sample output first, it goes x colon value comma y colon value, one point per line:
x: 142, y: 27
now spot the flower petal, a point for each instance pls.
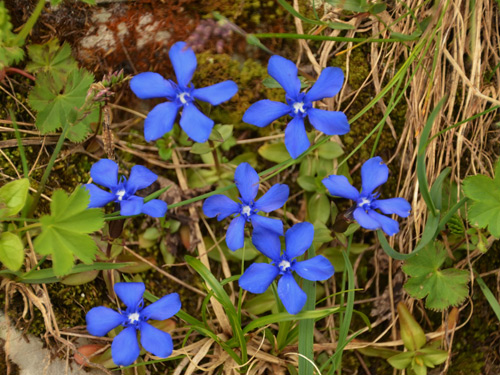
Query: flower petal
x: 296, y: 140
x: 221, y: 206
x: 164, y: 308
x: 160, y: 121
x: 125, y: 348
x: 389, y: 226
x: 373, y: 174
x: 291, y: 295
x: 267, y: 242
x: 184, y: 62
x: 364, y: 220
x: 258, y: 277
x: 131, y: 206
x: 218, y: 93
x: 263, y: 112
x: 140, y: 178
x: 247, y: 182
x: 329, y: 83
x: 98, y: 197
x: 196, y: 125
x: 298, y: 239
x: 314, y: 269
x: 101, y: 320
x: 339, y: 186
x: 150, y: 85
x: 105, y: 173
x: 328, y: 122
x: 285, y: 72
x: 398, y: 206
x: 236, y: 233
x: 155, y: 208
x: 268, y: 224
x: 130, y: 293
x: 156, y: 341
x: 273, y: 199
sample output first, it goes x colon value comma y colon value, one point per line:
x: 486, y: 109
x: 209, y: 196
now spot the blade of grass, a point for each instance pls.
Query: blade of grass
x: 488, y: 294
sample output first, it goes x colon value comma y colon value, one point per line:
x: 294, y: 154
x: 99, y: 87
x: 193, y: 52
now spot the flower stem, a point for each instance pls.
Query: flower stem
x: 30, y: 23
x: 50, y: 165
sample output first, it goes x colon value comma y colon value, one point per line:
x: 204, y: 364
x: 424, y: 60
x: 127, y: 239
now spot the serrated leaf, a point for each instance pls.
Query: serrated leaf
x: 51, y: 58
x: 485, y: 209
x: 10, y: 48
x: 57, y: 102
x: 443, y: 288
x: 11, y: 251
x: 275, y: 152
x: 65, y: 233
x: 13, y: 197
x: 78, y: 132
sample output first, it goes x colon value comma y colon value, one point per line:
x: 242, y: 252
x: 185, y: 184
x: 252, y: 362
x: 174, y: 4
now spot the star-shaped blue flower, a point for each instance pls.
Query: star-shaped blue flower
x: 105, y: 173
x: 125, y: 347
x: 182, y: 94
x: 259, y: 276
x: 247, y: 181
x: 373, y: 174
x: 299, y: 105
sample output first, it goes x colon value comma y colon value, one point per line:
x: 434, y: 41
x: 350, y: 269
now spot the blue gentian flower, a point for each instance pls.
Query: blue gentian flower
x: 299, y: 105
x: 125, y: 348
x: 105, y: 173
x: 373, y: 174
x: 247, y: 181
x: 161, y: 119
x: 259, y: 276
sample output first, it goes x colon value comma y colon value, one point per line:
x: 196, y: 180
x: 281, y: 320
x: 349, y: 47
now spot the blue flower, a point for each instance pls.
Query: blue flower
x: 373, y: 174
x: 105, y: 173
x: 259, y: 276
x: 247, y: 181
x: 125, y: 348
x: 180, y: 95
x: 299, y: 105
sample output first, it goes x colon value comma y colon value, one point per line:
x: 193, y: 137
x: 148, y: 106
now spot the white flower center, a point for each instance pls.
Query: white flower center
x: 298, y: 107
x: 182, y: 97
x: 246, y: 210
x: 284, y: 265
x: 120, y: 194
x: 134, y: 317
x: 363, y: 202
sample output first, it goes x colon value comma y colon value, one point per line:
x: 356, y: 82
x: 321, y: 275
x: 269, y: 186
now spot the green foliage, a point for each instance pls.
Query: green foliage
x: 11, y: 251
x: 13, y: 197
x: 443, y: 288
x: 52, y: 59
x: 10, y: 47
x: 359, y: 6
x: 59, y: 102
x: 485, y: 193
x: 65, y: 232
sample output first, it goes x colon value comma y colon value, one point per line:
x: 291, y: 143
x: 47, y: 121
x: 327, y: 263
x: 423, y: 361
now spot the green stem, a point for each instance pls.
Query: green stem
x: 323, y: 37
x: 30, y: 23
x: 306, y: 326
x: 50, y: 165
x: 28, y: 227
x: 19, y: 144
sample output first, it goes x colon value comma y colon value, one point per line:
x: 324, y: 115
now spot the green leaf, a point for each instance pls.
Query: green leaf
x: 11, y: 251
x: 318, y: 208
x: 10, y: 48
x: 485, y: 193
x: 275, y: 152
x: 200, y: 148
x: 330, y: 151
x: 51, y: 58
x: 308, y: 183
x: 13, y: 197
x: 65, y: 232
x: 78, y: 132
x: 443, y: 288
x: 402, y: 360
x: 58, y: 102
